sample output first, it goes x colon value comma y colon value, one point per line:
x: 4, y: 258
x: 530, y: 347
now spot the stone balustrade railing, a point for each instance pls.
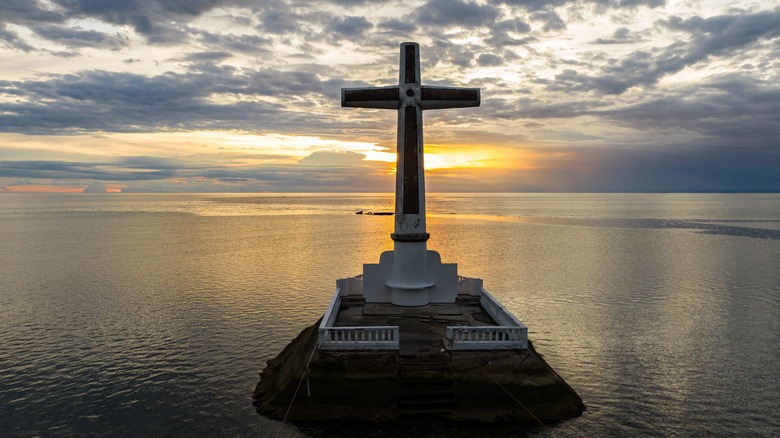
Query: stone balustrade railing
x: 359, y: 338
x: 509, y: 334
x: 353, y: 338
x: 486, y: 338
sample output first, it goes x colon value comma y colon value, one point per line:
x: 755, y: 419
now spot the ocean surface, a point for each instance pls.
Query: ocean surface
x: 151, y: 315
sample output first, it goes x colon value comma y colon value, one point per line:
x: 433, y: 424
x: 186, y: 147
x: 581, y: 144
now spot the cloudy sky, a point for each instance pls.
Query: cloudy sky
x: 244, y: 95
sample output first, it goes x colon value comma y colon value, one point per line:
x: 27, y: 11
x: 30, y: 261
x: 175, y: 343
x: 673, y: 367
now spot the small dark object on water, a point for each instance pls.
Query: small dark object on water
x: 378, y: 213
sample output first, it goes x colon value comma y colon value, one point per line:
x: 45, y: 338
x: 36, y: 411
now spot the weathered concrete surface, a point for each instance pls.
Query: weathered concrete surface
x: 365, y: 386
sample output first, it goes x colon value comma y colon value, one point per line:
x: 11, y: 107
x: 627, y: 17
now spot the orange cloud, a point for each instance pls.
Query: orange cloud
x: 41, y: 189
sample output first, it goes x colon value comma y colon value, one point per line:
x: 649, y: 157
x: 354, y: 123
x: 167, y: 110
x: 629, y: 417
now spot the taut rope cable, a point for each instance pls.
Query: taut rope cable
x: 452, y: 351
x: 513, y: 397
x: 305, y: 371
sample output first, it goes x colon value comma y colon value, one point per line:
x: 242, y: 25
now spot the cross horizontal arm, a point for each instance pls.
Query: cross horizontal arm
x: 446, y: 97
x: 375, y: 97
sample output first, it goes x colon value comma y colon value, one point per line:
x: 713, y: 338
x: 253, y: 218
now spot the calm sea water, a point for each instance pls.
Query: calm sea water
x: 136, y: 315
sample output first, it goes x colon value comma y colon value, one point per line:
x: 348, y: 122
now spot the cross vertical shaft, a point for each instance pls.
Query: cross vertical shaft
x: 410, y: 171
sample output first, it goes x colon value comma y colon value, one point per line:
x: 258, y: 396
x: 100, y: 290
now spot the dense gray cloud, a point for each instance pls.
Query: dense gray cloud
x: 208, y: 56
x: 550, y: 19
x: 279, y: 20
x: 507, y: 33
x: 621, y: 35
x: 715, y: 36
x: 489, y: 60
x: 536, y: 5
x: 159, y: 20
x: 74, y: 37
x: 125, y: 102
x: 27, y: 12
x: 725, y: 107
x: 72, y: 170
x: 321, y: 171
x: 349, y: 27
x: 404, y: 26
x: 455, y: 12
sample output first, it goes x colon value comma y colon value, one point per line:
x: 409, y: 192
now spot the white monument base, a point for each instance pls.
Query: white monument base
x: 437, y: 282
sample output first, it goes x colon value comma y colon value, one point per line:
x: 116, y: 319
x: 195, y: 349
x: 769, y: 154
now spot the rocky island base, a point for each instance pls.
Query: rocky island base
x: 487, y: 386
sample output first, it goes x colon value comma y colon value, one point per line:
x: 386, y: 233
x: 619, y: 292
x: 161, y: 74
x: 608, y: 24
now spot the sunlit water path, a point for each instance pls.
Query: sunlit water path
x: 152, y: 314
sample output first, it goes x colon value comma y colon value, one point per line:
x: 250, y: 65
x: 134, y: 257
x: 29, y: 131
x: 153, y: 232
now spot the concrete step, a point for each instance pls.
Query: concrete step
x: 426, y: 398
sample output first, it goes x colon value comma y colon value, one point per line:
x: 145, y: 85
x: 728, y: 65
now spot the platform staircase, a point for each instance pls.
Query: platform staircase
x: 425, y: 387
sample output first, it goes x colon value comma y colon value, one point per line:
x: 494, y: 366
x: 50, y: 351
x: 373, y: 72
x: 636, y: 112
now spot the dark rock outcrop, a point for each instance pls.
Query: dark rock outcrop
x: 486, y: 386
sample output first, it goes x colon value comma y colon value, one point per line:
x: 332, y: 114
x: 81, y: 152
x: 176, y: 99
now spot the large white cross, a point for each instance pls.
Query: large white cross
x: 410, y: 98
x: 410, y: 275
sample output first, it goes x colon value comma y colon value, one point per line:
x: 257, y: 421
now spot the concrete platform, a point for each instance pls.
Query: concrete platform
x: 422, y: 328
